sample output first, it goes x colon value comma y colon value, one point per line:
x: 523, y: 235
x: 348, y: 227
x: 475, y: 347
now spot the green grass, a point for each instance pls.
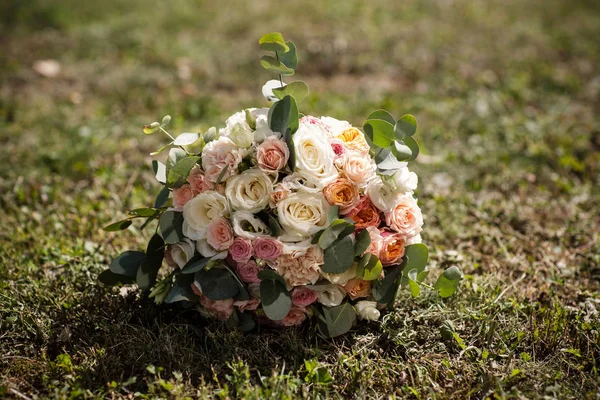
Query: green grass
x: 507, y: 95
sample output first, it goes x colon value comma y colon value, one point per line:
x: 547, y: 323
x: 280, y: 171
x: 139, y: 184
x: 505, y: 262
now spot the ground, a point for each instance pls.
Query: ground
x: 507, y: 95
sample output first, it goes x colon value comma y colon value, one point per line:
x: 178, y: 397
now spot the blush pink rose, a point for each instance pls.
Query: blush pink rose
x: 219, y: 154
x: 267, y: 248
x: 376, y: 241
x: 222, y: 309
x: 272, y: 155
x: 295, y: 316
x: 198, y: 181
x: 392, y: 248
x: 303, y: 296
x: 182, y: 195
x: 241, y: 250
x: 406, y: 217
x: 248, y: 271
x: 309, y: 119
x: 219, y: 234
x: 247, y: 305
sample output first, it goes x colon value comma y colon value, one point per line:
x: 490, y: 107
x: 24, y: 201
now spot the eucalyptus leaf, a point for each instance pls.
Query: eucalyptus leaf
x: 339, y: 256
x: 290, y: 144
x: 283, y: 116
x: 383, y: 115
x: 178, y: 173
x: 297, y: 89
x: 417, y: 254
x: 162, y: 198
x: 384, y: 290
x: 405, y: 127
x: 160, y: 171
x: 335, y: 321
x: 401, y: 151
x: 118, y: 226
x: 363, y: 240
x: 381, y: 132
x: 270, y: 274
x: 217, y: 283
x: 247, y: 322
x: 210, y: 134
x: 369, y: 268
x: 413, y: 286
x: 109, y: 278
x: 275, y: 299
x: 194, y: 265
x: 181, y: 290
x: 273, y: 64
x: 171, y: 226
x: 390, y: 163
x: 127, y: 263
x: 273, y: 42
x: 186, y: 139
x: 144, y: 212
x: 448, y: 282
x: 414, y: 147
x: 289, y: 58
x: 148, y: 270
x: 166, y: 120
x: 166, y: 146
x: 339, y: 228
x: 151, y: 128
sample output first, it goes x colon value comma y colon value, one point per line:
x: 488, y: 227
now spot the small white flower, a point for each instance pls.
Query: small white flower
x: 331, y: 295
x: 367, y: 310
x: 241, y: 135
x: 383, y: 196
x: 267, y: 89
x: 182, y: 252
x: 247, y: 226
x: 343, y: 278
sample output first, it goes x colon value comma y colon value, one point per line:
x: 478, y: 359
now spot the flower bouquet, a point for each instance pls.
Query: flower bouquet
x: 278, y: 217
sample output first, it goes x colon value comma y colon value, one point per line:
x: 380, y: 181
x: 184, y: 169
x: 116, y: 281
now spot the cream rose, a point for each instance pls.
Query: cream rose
x: 241, y: 135
x: 314, y: 154
x: 249, y: 191
x: 303, y: 214
x: 182, y: 252
x: 200, y: 211
x: 247, y: 226
x: 358, y: 168
x: 331, y: 295
x: 406, y: 217
x: 367, y: 310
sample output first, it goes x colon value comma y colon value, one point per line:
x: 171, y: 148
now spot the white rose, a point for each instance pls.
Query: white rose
x: 335, y: 126
x: 314, y: 155
x: 241, y: 135
x: 247, y: 226
x: 300, y: 182
x: 403, y: 181
x: 367, y: 310
x: 249, y: 191
x: 383, y: 196
x: 182, y: 252
x: 343, y: 278
x: 199, y: 212
x: 331, y: 295
x: 303, y: 214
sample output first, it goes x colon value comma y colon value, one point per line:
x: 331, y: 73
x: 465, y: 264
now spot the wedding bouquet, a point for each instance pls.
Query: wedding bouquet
x: 279, y: 217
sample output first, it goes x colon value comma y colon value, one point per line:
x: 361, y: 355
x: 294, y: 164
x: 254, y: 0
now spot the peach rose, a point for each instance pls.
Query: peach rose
x: 295, y: 316
x: 359, y: 168
x: 357, y: 288
x: 267, y: 248
x: 392, y: 248
x: 182, y: 195
x: 248, y: 272
x: 222, y: 309
x: 342, y: 192
x: 364, y: 214
x: 303, y: 296
x: 405, y: 218
x: 272, y: 155
x: 376, y: 241
x: 241, y: 250
x: 354, y: 140
x: 280, y: 192
x: 198, y: 181
x: 219, y: 234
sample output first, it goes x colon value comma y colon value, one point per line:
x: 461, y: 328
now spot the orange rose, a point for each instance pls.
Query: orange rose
x: 392, y: 248
x: 358, y: 288
x: 354, y: 140
x: 342, y: 192
x: 364, y: 214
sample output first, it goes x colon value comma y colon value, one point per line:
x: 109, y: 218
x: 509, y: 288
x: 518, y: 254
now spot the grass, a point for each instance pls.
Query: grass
x: 507, y: 95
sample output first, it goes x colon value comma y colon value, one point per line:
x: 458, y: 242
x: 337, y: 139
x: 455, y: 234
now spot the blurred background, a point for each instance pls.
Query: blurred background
x: 506, y: 93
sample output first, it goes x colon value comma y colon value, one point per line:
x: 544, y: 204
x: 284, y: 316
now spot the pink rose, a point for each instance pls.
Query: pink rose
x: 392, y: 248
x: 221, y: 309
x: 219, y: 154
x: 295, y: 316
x: 248, y: 271
x: 198, y: 181
x: 247, y: 305
x: 405, y: 218
x: 364, y: 214
x: 376, y: 241
x: 272, y: 154
x: 241, y: 250
x: 303, y: 296
x: 267, y: 248
x: 338, y: 148
x: 309, y: 119
x: 219, y: 234
x: 182, y: 195
x: 280, y: 192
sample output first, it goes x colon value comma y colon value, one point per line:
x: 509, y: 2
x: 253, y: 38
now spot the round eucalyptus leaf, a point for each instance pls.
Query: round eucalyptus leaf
x: 127, y: 263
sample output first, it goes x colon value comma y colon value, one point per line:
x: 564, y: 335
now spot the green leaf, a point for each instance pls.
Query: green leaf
x: 148, y: 271
x: 405, y: 127
x: 363, y: 240
x: 181, y: 290
x: 383, y: 115
x: 171, y: 226
x: 243, y: 294
x: 109, y: 278
x: 417, y: 254
x: 335, y: 321
x: 222, y: 174
x: 298, y: 90
x: 118, y: 226
x: 273, y: 42
x: 381, y: 132
x: 339, y: 256
x: 401, y: 151
x: 186, y: 139
x: 273, y: 64
x: 270, y: 274
x: 210, y: 134
x: 390, y: 163
x: 274, y: 226
x: 162, y: 198
x: 151, y: 128
x: 338, y: 229
x: 250, y: 120
x: 275, y: 299
x: 289, y: 58
x: 414, y: 147
x: 179, y: 173
x: 217, y: 283
x: 144, y: 212
x: 247, y: 322
x: 448, y: 282
x: 414, y: 287
x: 175, y: 154
x: 384, y: 290
x: 166, y: 146
x: 369, y: 268
x: 283, y: 115
x: 160, y: 171
x: 166, y: 120
x: 127, y: 263
x: 194, y: 265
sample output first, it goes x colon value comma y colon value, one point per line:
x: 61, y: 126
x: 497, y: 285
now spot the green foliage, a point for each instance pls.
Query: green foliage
x: 217, y: 283
x: 275, y: 298
x: 181, y: 290
x: 186, y: 139
x: 178, y: 173
x: 369, y: 268
x: 118, y: 226
x: 297, y: 89
x: 339, y: 256
x: 338, y: 229
x: 448, y: 282
x: 273, y: 42
x: 127, y: 262
x: 160, y: 171
x: 283, y: 116
x: 384, y: 290
x: 335, y: 321
x: 109, y: 278
x: 148, y: 270
x: 363, y: 240
x: 290, y: 57
x: 273, y: 64
x: 171, y: 226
